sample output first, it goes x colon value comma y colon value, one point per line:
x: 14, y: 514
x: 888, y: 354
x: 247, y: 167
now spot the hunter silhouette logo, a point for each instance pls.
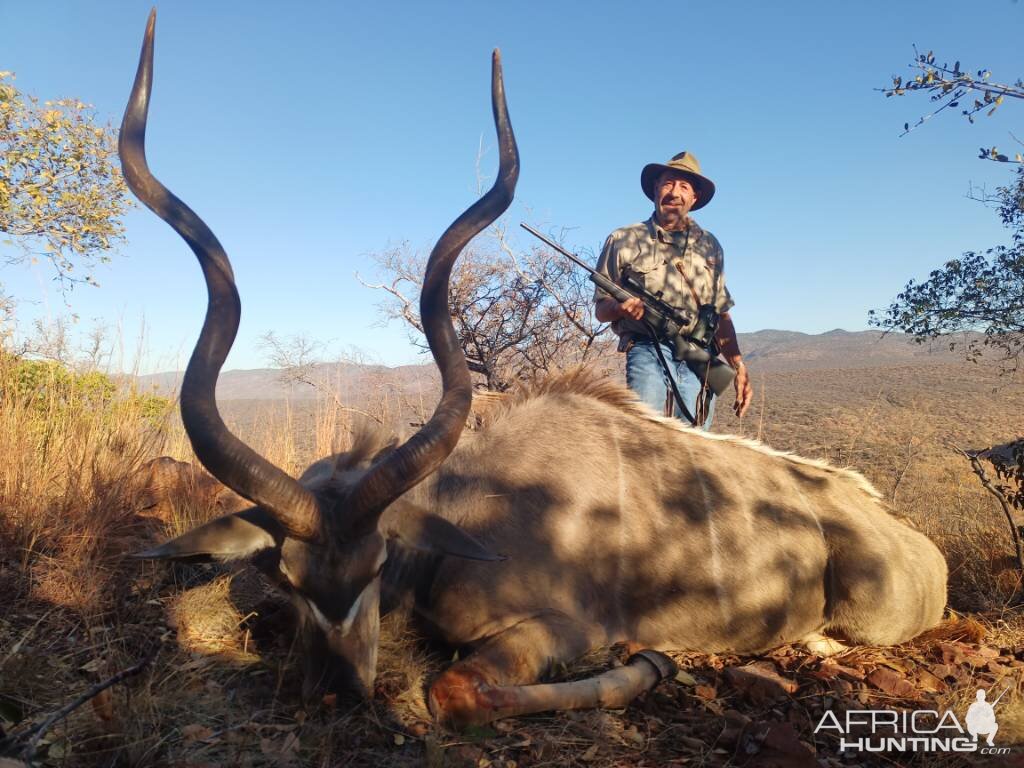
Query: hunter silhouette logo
x: 981, y: 717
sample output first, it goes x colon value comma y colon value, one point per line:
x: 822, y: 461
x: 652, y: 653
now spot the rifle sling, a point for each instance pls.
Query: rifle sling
x: 669, y: 377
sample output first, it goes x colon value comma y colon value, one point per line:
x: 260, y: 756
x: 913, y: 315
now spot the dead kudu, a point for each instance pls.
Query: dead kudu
x: 577, y: 518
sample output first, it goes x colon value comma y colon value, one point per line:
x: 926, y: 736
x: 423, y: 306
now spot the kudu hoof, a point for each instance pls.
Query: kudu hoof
x: 461, y: 697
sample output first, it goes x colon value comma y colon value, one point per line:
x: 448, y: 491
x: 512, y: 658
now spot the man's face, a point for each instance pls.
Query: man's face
x: 674, y: 196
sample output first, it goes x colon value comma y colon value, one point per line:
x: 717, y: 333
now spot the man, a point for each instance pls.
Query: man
x: 670, y: 255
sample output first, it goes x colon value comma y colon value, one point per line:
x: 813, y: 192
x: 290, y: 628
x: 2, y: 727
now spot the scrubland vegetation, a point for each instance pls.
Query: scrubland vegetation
x: 220, y: 684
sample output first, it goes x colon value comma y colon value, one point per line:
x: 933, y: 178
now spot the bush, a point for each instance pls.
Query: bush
x: 52, y: 389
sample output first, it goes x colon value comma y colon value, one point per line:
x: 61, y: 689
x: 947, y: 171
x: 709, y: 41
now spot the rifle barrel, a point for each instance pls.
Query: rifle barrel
x: 1000, y: 696
x: 557, y: 247
x: 658, y: 312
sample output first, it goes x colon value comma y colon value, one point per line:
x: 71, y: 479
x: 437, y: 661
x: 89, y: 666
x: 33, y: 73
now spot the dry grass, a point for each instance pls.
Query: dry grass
x: 223, y: 687
x: 208, y: 620
x: 66, y: 494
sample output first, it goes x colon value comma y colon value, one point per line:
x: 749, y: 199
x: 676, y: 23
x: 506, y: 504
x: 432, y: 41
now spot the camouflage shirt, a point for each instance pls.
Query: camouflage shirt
x: 675, y: 264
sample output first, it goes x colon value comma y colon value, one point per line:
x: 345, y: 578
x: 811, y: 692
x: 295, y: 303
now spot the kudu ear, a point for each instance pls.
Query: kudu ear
x: 230, y: 537
x: 419, y: 529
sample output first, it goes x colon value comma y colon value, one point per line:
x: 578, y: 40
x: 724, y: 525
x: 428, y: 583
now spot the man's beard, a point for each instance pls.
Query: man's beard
x: 671, y: 217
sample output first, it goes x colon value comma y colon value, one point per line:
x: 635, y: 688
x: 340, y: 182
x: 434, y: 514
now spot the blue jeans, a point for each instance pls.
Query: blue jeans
x: 645, y: 376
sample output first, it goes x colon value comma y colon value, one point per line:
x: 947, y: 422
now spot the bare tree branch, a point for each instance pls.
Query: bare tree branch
x: 296, y: 359
x: 31, y: 737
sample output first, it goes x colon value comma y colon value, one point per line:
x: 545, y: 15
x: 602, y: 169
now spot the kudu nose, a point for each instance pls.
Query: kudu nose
x: 338, y: 676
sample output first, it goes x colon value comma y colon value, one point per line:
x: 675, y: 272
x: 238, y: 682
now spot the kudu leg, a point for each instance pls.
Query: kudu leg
x: 488, y: 685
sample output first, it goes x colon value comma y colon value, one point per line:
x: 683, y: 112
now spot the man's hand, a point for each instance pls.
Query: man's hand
x: 608, y: 310
x: 744, y: 391
x: 633, y: 308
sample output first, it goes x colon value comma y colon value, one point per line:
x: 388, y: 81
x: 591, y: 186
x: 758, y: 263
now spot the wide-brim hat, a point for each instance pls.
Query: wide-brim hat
x: 685, y: 163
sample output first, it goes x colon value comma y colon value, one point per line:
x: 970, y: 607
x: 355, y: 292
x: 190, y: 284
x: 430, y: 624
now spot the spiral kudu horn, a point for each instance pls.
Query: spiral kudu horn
x: 229, y: 459
x: 425, y: 450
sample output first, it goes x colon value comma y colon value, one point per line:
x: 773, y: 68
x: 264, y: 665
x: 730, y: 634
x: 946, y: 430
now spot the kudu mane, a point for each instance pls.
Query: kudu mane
x: 584, y: 382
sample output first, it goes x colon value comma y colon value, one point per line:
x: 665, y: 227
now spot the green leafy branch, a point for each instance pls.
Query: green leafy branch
x: 950, y: 87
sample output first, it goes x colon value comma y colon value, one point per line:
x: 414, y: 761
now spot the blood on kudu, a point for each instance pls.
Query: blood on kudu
x: 577, y: 518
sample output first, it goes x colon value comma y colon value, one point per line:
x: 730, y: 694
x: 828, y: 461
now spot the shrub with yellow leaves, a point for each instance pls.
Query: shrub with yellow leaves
x: 61, y: 190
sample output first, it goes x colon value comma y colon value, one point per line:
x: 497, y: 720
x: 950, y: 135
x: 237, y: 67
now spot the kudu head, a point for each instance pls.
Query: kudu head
x: 322, y: 538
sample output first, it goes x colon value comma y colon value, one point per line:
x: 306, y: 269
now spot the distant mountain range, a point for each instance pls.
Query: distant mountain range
x: 767, y: 350
x: 772, y: 350
x: 347, y: 380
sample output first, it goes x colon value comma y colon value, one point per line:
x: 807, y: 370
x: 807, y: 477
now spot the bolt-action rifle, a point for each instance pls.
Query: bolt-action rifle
x: 696, y: 348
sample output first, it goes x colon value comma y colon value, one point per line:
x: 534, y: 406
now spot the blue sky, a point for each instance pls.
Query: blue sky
x: 310, y: 135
